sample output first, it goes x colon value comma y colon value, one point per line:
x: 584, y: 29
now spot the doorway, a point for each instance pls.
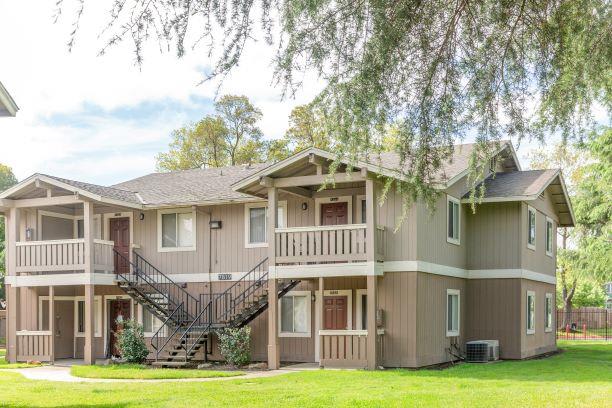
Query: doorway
x: 334, y: 213
x: 335, y: 312
x: 119, y: 310
x: 119, y: 233
x: 64, y: 328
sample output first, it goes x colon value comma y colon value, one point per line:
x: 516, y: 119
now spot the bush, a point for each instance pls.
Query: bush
x: 131, y: 342
x: 235, y: 346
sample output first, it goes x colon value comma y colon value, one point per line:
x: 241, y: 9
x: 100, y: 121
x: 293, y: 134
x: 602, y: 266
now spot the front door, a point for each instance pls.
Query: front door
x: 118, y: 307
x: 334, y: 313
x: 64, y: 328
x: 120, y: 235
x: 334, y: 213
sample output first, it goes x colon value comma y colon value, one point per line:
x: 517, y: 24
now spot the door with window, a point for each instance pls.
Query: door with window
x: 334, y: 213
x: 335, y: 313
x: 120, y: 235
x: 120, y: 311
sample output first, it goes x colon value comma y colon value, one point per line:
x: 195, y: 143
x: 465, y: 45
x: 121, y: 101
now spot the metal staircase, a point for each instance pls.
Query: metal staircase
x: 188, y: 323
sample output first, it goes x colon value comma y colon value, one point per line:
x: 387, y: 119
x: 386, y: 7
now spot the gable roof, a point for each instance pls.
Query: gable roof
x: 191, y: 186
x: 8, y: 107
x: 527, y: 186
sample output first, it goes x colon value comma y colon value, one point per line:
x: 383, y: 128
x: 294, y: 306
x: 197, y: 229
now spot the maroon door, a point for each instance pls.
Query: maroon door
x: 335, y: 313
x: 334, y: 213
x: 120, y: 235
x: 118, y: 307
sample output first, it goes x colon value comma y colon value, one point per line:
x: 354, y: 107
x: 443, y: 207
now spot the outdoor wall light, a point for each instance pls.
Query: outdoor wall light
x: 215, y: 224
x: 304, y: 206
x: 141, y: 216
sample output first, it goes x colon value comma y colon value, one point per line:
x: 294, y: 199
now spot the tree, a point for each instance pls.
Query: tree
x: 240, y: 118
x: 435, y: 69
x: 7, y: 179
x: 199, y: 145
x: 228, y: 138
x: 306, y: 129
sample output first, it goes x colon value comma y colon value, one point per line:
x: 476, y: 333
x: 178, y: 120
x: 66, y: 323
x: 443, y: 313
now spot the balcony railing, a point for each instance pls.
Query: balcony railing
x: 33, y: 345
x: 344, y: 348
x: 323, y: 244
x: 62, y: 255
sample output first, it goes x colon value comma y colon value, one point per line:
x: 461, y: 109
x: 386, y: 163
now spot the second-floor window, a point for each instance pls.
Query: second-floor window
x: 256, y: 222
x: 453, y: 220
x: 177, y: 230
x: 531, y: 228
x: 549, y: 236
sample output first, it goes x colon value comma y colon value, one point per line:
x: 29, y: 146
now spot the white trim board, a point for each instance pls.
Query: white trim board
x: 62, y: 279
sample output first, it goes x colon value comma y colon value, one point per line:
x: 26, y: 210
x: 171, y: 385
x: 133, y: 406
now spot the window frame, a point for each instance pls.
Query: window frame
x: 247, y: 225
x: 550, y: 251
x: 177, y: 211
x: 359, y: 294
x: 452, y: 240
x: 548, y: 302
x: 360, y: 206
x: 155, y: 327
x: 453, y: 292
x: 97, y: 316
x: 531, y: 210
x: 530, y: 294
x: 296, y: 293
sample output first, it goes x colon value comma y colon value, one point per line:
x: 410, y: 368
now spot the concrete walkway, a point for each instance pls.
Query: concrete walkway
x: 62, y: 374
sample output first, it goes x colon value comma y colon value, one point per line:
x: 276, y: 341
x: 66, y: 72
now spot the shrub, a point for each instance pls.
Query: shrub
x: 235, y: 346
x: 131, y: 342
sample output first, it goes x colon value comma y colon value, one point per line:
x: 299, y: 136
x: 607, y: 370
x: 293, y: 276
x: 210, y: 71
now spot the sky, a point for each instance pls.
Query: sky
x: 102, y: 119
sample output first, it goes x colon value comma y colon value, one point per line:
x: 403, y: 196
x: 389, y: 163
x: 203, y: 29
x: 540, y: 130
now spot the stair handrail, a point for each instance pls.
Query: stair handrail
x: 160, y: 330
x: 207, y: 327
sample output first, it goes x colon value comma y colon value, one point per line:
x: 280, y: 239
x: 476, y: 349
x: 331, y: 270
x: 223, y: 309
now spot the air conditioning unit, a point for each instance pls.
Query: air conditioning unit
x: 482, y: 351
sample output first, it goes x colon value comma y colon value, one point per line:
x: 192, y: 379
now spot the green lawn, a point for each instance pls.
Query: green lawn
x: 141, y: 372
x: 582, y: 376
x: 4, y: 364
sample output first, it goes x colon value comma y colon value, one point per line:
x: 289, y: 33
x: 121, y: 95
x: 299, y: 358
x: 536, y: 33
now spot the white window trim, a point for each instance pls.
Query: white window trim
x: 453, y: 333
x: 360, y: 199
x: 75, y: 300
x: 247, y: 225
x: 552, y: 313
x: 190, y: 210
x: 97, y: 220
x: 308, y: 295
x: 530, y: 209
x: 326, y: 200
x: 74, y: 218
x: 552, y: 233
x: 141, y: 309
x: 530, y: 293
x: 358, y: 306
x: 451, y: 240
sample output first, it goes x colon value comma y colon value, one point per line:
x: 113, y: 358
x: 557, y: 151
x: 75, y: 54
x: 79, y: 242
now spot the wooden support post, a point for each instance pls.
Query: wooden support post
x: 321, y: 317
x: 51, y: 324
x: 13, y: 315
x: 371, y: 203
x: 273, y: 348
x: 88, y: 218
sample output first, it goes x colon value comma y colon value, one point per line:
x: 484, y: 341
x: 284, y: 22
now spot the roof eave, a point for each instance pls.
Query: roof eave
x: 7, y: 101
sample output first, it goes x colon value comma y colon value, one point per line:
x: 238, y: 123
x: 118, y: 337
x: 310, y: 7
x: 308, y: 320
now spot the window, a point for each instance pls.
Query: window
x: 176, y: 230
x: 452, y: 312
x: 256, y: 223
x: 362, y: 309
x: 150, y: 323
x: 549, y: 236
x: 548, y: 307
x: 453, y: 220
x: 363, y: 211
x: 531, y: 228
x: 530, y: 312
x: 80, y: 317
x: 97, y: 227
x: 294, y: 314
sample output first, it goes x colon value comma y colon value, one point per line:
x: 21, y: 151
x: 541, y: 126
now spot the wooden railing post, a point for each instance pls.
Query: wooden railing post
x: 12, y: 236
x: 88, y: 214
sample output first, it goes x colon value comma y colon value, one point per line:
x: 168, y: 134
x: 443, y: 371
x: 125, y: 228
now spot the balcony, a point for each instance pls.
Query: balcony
x: 326, y: 244
x: 62, y: 255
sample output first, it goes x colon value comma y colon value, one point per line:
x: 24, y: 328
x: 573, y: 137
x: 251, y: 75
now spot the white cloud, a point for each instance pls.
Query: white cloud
x: 96, y: 140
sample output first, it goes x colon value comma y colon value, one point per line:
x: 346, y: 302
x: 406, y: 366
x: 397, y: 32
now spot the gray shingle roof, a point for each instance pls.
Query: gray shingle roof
x: 517, y: 183
x: 191, y: 186
x: 108, y: 192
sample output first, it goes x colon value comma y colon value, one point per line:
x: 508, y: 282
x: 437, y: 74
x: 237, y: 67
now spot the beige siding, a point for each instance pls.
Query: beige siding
x: 432, y: 342
x: 541, y: 341
x: 398, y: 300
x: 401, y: 244
x: 493, y: 236
x: 494, y: 313
x: 537, y: 260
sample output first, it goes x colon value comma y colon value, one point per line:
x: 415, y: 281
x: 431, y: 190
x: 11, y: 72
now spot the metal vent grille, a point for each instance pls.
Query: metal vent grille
x: 477, y: 352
